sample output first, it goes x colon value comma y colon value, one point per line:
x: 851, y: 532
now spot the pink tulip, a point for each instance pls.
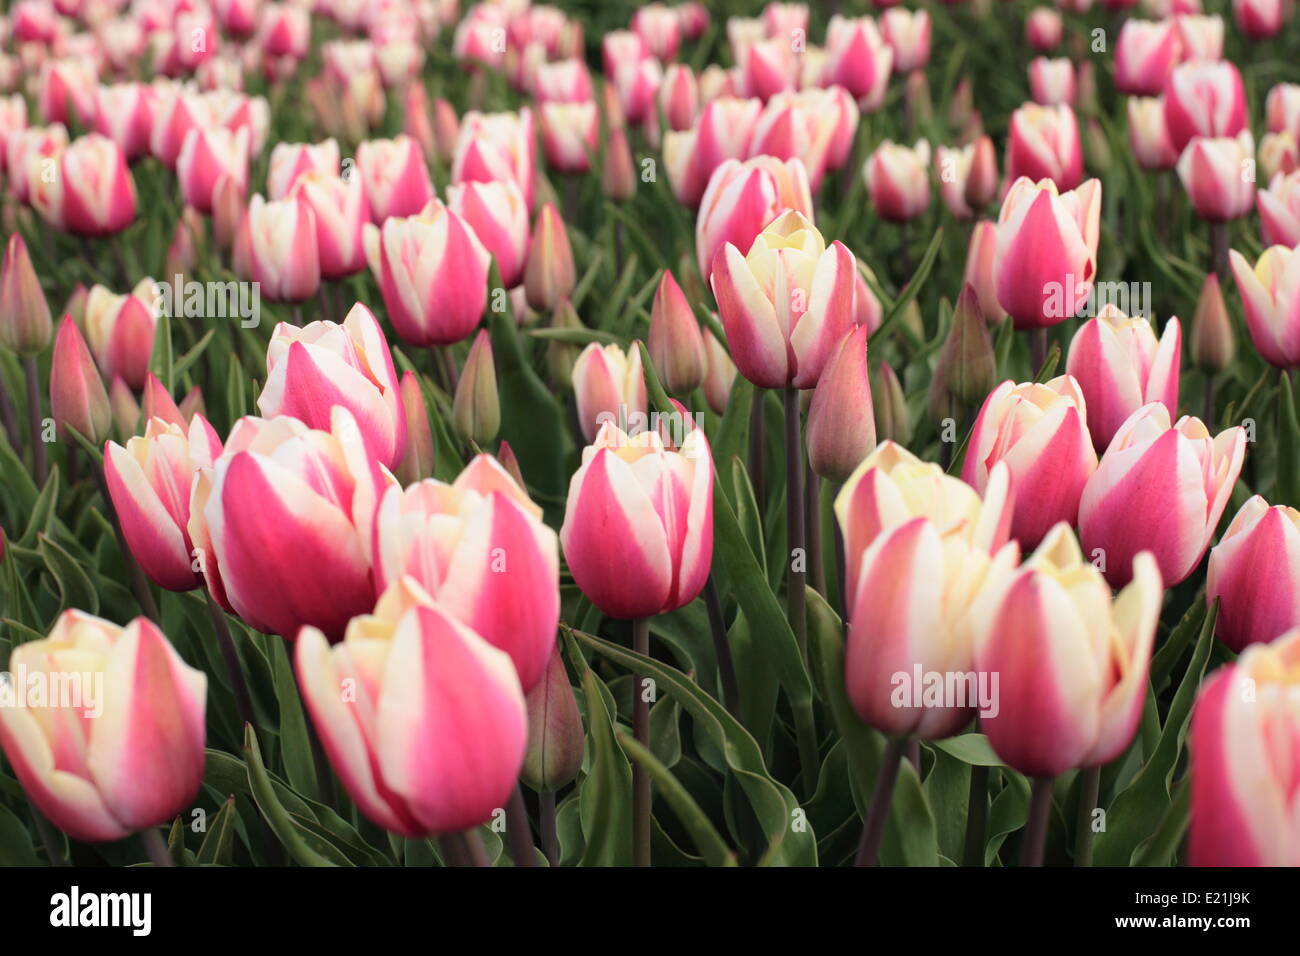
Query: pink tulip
x: 92, y: 194
x: 25, y: 152
x: 237, y: 17
x: 1040, y: 432
x: 637, y: 82
x: 67, y: 92
x: 1282, y: 108
x: 1278, y: 153
x: 660, y: 28
x: 495, y: 146
x: 967, y: 176
x: 1043, y: 28
x: 149, y: 482
x: 1162, y: 488
x: 311, y: 369
x: 858, y: 59
x: 25, y: 323
x: 898, y: 180
x: 841, y: 420
x: 1147, y: 134
x: 1201, y: 36
x: 609, y: 385
x: 1145, y: 54
x: 276, y: 247
x: 1242, y: 741
x: 480, y: 547
x: 569, y: 135
x: 209, y: 158
x: 808, y: 125
x: 498, y: 216
x: 1254, y: 572
x: 395, y: 176
x: 120, y: 331
x: 768, y: 67
x: 284, y: 518
x: 292, y: 160
x: 638, y: 527
x: 679, y: 97
x: 1072, y: 660
x: 432, y: 271
x: 980, y: 274
x: 1204, y: 98
x: 77, y: 396
x: 1044, y: 144
x: 13, y: 117
x: 908, y: 36
x: 1279, y: 210
x: 124, y: 751
x: 1046, y: 255
x: 124, y: 113
x: 1258, y: 19
x: 341, y: 212
x: 433, y: 739
x: 284, y: 31
x: 1052, y: 81
x: 724, y: 132
x: 786, y: 304
x: 1270, y: 299
x: 565, y: 81
x: 1120, y: 366
x: 1219, y: 176
x: 743, y: 198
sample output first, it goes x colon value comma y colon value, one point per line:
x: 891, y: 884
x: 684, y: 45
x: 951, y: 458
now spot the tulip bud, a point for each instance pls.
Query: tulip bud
x: 556, y: 739
x: 982, y: 175
x: 967, y: 363
x: 720, y: 374
x: 120, y: 332
x: 676, y: 346
x: 192, y: 404
x: 227, y: 211
x: 549, y: 275
x: 157, y: 402
x: 609, y: 385
x: 25, y: 324
x: 1270, y: 294
x: 1254, y: 573
x: 1096, y: 147
x: 1213, y: 341
x: 126, y: 410
x: 898, y: 179
x: 893, y: 420
x: 841, y: 420
x: 561, y: 355
x: 77, y: 396
x: 618, y: 177
x: 418, y: 461
x: 446, y: 129
x: 76, y: 304
x: 508, y: 461
x: 476, y: 410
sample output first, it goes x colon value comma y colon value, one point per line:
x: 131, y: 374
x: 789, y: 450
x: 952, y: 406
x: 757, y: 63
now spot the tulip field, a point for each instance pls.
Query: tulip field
x: 449, y: 434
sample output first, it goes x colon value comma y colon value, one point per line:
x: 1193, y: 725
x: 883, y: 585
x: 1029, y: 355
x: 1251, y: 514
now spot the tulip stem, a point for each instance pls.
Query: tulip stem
x: 873, y: 827
x: 841, y: 573
x: 1219, y: 249
x: 813, y: 521
x: 757, y: 456
x: 139, y: 583
x: 546, y: 820
x: 32, y: 374
x: 804, y: 721
x: 977, y: 811
x: 1040, y: 812
x: 721, y: 649
x: 9, y: 417
x: 158, y: 852
x: 1089, y: 786
x: 463, y: 848
x: 1207, y: 413
x: 50, y: 837
x: 641, y: 731
x: 243, y: 700
x: 522, y: 850
x: 1038, y: 349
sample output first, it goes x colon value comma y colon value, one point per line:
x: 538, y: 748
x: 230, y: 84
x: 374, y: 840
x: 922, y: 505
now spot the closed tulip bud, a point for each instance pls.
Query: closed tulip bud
x: 858, y: 59
x: 1270, y: 299
x: 25, y: 324
x: 638, y: 526
x: 396, y: 177
x: 120, y: 333
x: 446, y: 129
x: 893, y: 420
x: 1254, y: 573
x: 676, y: 345
x: 149, y: 482
x: 967, y: 363
x: 312, y: 369
x: 1190, y: 87
x: 479, y: 546
x: 1213, y: 340
x: 1242, y: 774
x: 1145, y: 54
x: 1043, y: 28
x: 1218, y: 175
x: 157, y: 402
x: 556, y: 740
x: 77, y: 396
x: 292, y: 160
x: 898, y: 179
x: 437, y: 741
x: 508, y: 461
x: 549, y: 275
x: 961, y: 105
x: 744, y: 198
x: 892, y: 486
x: 979, y: 272
x: 841, y: 420
x: 1046, y: 255
x: 1052, y: 80
x: 279, y: 240
x: 494, y: 146
x: 476, y: 411
x: 609, y: 385
x: 192, y: 404
x: 618, y: 177
x: 1072, y: 660
x: 916, y: 96
x: 719, y: 376
x: 133, y: 759
x: 679, y: 97
x: 208, y: 158
x: 981, y: 182
x: 1043, y: 143
x: 319, y: 491
x: 1147, y: 134
x: 227, y: 211
x: 126, y: 410
x: 1096, y: 147
x: 787, y: 304
x: 1282, y: 108
x: 1160, y: 487
x: 497, y: 214
x: 561, y: 355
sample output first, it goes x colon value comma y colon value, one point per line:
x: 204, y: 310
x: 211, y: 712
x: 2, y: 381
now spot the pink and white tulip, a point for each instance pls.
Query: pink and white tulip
x: 1204, y: 98
x: 1043, y: 143
x: 898, y: 180
x: 289, y: 161
x: 1254, y: 573
x: 1145, y: 54
x: 395, y: 176
x: 1219, y: 176
x: 1270, y: 299
x: 209, y: 158
x: 609, y: 386
x: 743, y: 198
x: 341, y: 212
x: 1279, y: 210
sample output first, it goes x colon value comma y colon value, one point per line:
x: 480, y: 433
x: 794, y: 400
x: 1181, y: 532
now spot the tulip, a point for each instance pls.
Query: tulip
x: 1213, y: 341
x: 149, y: 483
x: 208, y: 158
x: 979, y: 273
x: 92, y: 193
x: 1052, y: 81
x: 1145, y: 54
x: 31, y: 152
x: 1204, y: 98
x: 476, y: 410
x: 312, y: 369
x: 908, y: 36
x: 292, y: 160
x: 283, y: 498
x: 67, y: 92
x: 284, y: 31
x: 967, y: 176
x: 841, y: 420
x: 1040, y: 432
x: 858, y: 59
x: 891, y: 486
x: 1120, y: 366
x: 660, y: 28
x: 156, y: 402
x: 676, y: 345
x: 787, y: 304
x: 25, y: 324
x: 276, y: 247
x: 1147, y: 134
x: 1044, y: 144
x: 1043, y: 28
x: 1279, y: 210
x: 569, y: 135
x: 1282, y: 108
x: 1201, y: 36
x: 432, y: 271
x: 724, y: 133
x: 564, y: 81
x: 1254, y: 573
x: 744, y: 198
x: 1258, y: 19
x: 720, y: 374
x: 808, y: 125
x: 1072, y: 660
x: 341, y: 211
x: 767, y: 68
x: 13, y: 118
x: 479, y: 546
x: 395, y: 175
x: 609, y: 385
x: 496, y: 146
x: 549, y: 275
x: 638, y: 526
x: 556, y: 738
x: 898, y: 179
x: 617, y: 175
x: 679, y: 97
x: 1046, y: 254
x: 497, y: 214
x: 435, y: 740
x: 633, y: 75
x: 1159, y: 487
x: 121, y: 755
x: 120, y: 332
x: 1270, y: 299
x: 1218, y: 175
x: 1278, y: 153
x: 418, y: 461
x: 124, y: 113
x: 77, y: 396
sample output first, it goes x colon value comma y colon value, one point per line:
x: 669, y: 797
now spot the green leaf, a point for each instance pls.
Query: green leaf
x: 218, y: 842
x: 295, y: 744
x: 184, y: 363
x: 973, y: 749
x: 161, y: 360
x: 606, y: 793
x: 75, y: 587
x: 15, y: 841
x: 290, y: 834
x: 42, y: 512
x: 913, y: 286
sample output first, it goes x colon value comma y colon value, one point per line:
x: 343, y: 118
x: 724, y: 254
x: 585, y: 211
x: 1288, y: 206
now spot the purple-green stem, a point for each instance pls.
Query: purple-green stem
x: 32, y: 374
x: 641, y: 731
x: 546, y: 820
x: 156, y: 847
x: 804, y: 721
x: 1219, y: 250
x: 1089, y: 787
x: 757, y: 448
x: 721, y: 649
x: 873, y: 827
x: 522, y: 850
x: 243, y: 699
x: 1040, y: 812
